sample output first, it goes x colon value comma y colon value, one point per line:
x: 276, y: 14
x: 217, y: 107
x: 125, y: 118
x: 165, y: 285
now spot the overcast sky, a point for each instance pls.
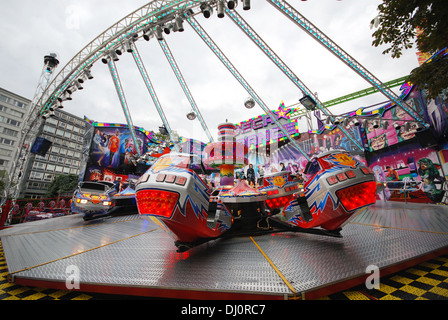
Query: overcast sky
x: 31, y: 29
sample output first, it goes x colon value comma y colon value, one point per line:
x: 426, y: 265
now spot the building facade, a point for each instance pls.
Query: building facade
x: 66, y: 133
x: 13, y: 112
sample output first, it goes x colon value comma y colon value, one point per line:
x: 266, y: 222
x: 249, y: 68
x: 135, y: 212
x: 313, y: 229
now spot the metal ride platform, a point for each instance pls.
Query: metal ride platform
x: 128, y: 255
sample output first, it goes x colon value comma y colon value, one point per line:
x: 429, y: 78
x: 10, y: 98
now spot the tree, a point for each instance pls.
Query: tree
x: 398, y: 22
x: 62, y: 184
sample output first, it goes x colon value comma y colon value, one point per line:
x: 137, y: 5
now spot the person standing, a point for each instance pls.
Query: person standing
x: 250, y: 174
x: 260, y: 175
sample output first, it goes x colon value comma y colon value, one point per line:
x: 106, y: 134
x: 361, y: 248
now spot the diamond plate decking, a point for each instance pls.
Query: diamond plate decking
x: 129, y: 254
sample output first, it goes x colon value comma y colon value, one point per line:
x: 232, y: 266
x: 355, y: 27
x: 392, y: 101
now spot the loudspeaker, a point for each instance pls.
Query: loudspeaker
x: 426, y: 138
x: 41, y: 146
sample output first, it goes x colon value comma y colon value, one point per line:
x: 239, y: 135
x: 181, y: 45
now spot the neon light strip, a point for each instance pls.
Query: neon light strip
x: 184, y: 86
x: 195, y: 25
x: 144, y: 74
x: 318, y: 35
x: 283, y: 67
x: 117, y: 82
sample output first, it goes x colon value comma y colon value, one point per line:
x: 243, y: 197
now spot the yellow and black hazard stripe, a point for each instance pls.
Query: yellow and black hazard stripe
x: 426, y: 281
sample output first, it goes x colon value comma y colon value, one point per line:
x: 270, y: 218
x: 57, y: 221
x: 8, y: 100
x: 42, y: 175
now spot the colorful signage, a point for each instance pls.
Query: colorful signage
x: 262, y: 130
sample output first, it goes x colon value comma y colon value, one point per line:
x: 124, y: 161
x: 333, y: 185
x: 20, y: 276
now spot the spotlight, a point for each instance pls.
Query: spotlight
x: 346, y: 122
x: 419, y: 127
x: 328, y: 120
x: 128, y: 46
x: 167, y: 28
x: 249, y: 103
x: 64, y: 97
x: 158, y: 32
x: 48, y: 115
x: 385, y: 125
x: 365, y: 124
x: 147, y: 34
x: 220, y: 9
x: 396, y: 126
x: 119, y: 51
x: 356, y: 122
x: 232, y: 4
x: 78, y: 86
x: 88, y: 74
x: 337, y: 121
x: 246, y: 4
x: 308, y: 103
x: 179, y: 24
x: 206, y: 10
x: 56, y: 105
x: 105, y: 60
x: 163, y: 130
x: 72, y: 89
x: 113, y: 56
x: 191, y: 115
x: 82, y: 78
x: 407, y: 126
x: 376, y: 124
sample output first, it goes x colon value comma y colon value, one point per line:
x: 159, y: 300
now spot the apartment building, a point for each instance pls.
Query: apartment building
x: 66, y: 132
x: 13, y: 112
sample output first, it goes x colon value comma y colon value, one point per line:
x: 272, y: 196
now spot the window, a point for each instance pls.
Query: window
x: 10, y: 132
x: 20, y: 104
x: 5, y: 152
x: 13, y: 122
x: 50, y: 167
x: 16, y: 113
x: 55, y: 149
x: 52, y: 121
x: 3, y: 162
x: 36, y: 175
x: 60, y: 132
x: 49, y: 129
x: 7, y: 141
x: 38, y: 165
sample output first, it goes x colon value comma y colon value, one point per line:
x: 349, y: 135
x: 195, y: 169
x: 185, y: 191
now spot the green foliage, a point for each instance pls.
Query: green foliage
x: 398, y: 22
x: 62, y: 184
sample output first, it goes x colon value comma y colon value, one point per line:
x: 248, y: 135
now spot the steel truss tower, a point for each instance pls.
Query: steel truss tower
x: 28, y: 134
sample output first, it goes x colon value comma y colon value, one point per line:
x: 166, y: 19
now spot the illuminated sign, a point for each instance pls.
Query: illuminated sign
x: 263, y: 130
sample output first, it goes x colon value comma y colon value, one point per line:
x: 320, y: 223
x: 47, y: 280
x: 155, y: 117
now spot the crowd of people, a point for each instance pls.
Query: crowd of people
x: 254, y: 175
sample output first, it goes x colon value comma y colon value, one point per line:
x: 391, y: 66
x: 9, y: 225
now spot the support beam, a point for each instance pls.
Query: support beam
x: 152, y: 93
x: 122, y: 98
x: 205, y: 37
x: 250, y: 32
x: 290, y: 12
x: 169, y: 56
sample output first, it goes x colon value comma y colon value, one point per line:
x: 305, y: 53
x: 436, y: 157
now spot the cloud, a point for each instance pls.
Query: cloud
x: 66, y: 27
